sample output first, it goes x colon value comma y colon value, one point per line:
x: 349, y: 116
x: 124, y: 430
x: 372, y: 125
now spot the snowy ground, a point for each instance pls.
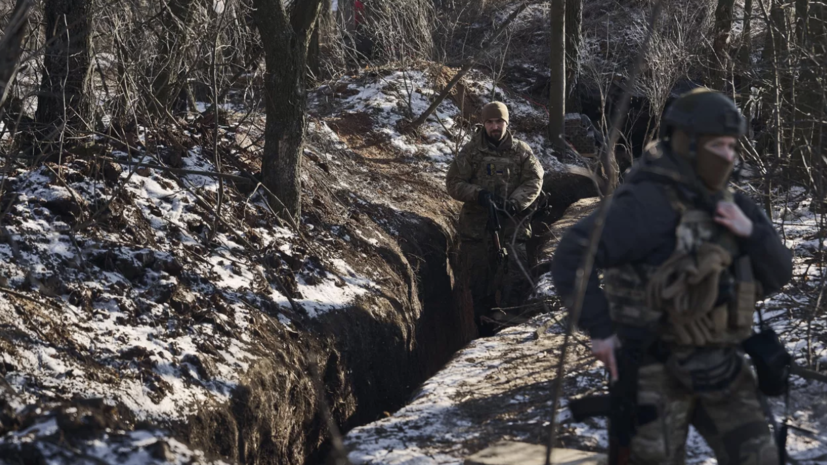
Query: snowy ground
x: 67, y: 435
x: 127, y: 296
x: 120, y: 284
x: 112, y: 288
x: 499, y: 387
x: 496, y: 387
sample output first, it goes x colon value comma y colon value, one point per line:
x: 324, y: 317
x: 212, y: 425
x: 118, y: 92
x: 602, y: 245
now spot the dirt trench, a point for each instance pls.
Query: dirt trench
x: 394, y: 219
x: 370, y: 356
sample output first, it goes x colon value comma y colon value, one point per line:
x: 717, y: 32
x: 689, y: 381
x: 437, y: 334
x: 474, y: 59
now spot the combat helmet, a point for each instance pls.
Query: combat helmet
x: 703, y: 111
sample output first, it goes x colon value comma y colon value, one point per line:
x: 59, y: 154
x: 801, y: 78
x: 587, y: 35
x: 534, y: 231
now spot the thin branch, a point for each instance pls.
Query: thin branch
x: 585, y: 270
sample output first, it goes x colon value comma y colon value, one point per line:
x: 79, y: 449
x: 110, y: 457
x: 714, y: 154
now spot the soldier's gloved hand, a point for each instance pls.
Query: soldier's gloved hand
x: 511, y: 207
x: 604, y: 350
x: 733, y: 218
x: 485, y: 198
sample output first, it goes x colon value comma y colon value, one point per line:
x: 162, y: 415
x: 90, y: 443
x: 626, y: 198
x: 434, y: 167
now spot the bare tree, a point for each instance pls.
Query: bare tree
x: 745, y: 60
x: 64, y: 94
x: 670, y: 56
x: 401, y: 30
x: 285, y: 31
x: 720, y: 60
x: 168, y: 79
x: 802, y: 8
x: 557, y: 64
x: 574, y: 38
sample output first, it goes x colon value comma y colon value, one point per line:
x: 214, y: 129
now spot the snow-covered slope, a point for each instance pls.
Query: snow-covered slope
x: 193, y: 320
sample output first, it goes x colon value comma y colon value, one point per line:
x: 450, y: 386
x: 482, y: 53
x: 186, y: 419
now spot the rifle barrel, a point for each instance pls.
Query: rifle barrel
x: 808, y: 374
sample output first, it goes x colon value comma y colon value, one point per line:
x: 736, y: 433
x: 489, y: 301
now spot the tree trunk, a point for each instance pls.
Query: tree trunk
x: 719, y: 65
x: 168, y: 78
x: 10, y: 48
x: 314, y: 53
x: 811, y: 96
x: 64, y: 94
x: 286, y: 39
x: 557, y: 91
x: 574, y: 19
x: 775, y: 50
x: 801, y: 15
x: 745, y: 59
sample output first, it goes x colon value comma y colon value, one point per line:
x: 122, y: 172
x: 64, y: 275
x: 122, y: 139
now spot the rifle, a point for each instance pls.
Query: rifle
x: 494, y: 226
x: 620, y: 405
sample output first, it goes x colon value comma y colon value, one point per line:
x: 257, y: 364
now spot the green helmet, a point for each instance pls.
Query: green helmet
x: 704, y: 111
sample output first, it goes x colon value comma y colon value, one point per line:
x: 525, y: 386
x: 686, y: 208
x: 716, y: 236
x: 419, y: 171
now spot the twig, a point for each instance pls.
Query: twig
x: 216, y: 113
x: 29, y: 298
x: 340, y: 457
x: 530, y: 305
x: 585, y: 270
x: 468, y: 64
x: 241, y: 179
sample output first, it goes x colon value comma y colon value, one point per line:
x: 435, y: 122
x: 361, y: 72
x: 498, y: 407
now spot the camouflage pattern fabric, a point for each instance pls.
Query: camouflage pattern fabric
x: 513, y: 172
x: 730, y: 420
x: 478, y: 274
x: 510, y: 171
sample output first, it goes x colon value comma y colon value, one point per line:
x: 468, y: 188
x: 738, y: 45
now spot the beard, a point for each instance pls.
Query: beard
x: 496, y: 135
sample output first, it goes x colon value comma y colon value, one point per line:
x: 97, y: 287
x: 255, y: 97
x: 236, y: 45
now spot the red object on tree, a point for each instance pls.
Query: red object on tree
x: 359, y: 9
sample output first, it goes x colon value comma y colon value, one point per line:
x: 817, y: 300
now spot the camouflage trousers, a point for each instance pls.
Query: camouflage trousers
x: 489, y: 286
x: 730, y: 420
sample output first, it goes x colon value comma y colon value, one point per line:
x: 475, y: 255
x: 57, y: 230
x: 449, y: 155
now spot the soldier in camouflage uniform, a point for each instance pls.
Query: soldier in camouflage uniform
x: 494, y: 167
x: 682, y: 259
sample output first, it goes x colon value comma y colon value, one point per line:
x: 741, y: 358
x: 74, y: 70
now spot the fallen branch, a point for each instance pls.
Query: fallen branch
x: 808, y: 374
x: 242, y: 179
x: 28, y: 297
x: 468, y: 64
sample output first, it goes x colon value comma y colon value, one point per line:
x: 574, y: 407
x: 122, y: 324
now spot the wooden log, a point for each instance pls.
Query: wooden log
x: 522, y: 453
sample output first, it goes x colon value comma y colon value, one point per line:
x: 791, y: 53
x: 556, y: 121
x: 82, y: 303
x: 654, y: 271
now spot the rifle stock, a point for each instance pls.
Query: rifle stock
x: 494, y: 226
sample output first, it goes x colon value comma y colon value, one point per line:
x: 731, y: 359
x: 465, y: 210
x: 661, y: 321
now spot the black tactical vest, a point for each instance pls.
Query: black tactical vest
x: 703, y: 295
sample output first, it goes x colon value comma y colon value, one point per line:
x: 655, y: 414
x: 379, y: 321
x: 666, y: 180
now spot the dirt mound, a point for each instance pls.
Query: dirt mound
x: 196, y: 320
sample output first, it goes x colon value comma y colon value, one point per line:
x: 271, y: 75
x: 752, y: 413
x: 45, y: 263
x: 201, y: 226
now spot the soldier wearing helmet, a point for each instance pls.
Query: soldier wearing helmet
x: 683, y: 260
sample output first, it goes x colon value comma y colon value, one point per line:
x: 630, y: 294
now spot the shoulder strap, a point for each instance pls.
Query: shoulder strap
x: 728, y: 195
x: 678, y: 203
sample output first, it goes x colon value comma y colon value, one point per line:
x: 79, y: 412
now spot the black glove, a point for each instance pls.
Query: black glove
x: 485, y: 198
x: 511, y: 208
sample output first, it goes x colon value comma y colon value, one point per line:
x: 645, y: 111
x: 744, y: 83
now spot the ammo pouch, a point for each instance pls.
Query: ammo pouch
x: 703, y: 304
x: 686, y: 288
x: 742, y: 307
x: 771, y: 361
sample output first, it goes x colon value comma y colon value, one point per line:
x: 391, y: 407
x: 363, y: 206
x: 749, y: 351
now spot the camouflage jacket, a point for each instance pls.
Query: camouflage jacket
x: 510, y: 171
